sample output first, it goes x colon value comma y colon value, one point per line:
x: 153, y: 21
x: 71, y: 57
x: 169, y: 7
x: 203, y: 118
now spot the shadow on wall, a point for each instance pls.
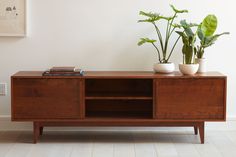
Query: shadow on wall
x: 10, y: 39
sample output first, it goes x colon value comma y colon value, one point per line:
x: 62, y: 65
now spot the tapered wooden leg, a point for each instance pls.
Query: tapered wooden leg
x: 41, y: 131
x: 36, y: 131
x: 201, y: 132
x: 195, y: 130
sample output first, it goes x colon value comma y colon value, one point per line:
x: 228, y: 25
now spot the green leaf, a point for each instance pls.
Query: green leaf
x: 185, y: 24
x: 180, y: 33
x: 184, y: 37
x: 187, y: 28
x: 211, y: 40
x: 150, y: 14
x: 175, y: 25
x: 184, y: 49
x: 193, y: 25
x: 147, y: 20
x: 152, y: 17
x: 168, y: 18
x: 178, y: 11
x: 200, y: 34
x: 188, y: 53
x: 209, y: 25
x: 145, y: 40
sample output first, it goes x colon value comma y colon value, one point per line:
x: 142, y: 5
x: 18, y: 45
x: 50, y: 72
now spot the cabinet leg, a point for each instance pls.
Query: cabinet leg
x: 195, y: 130
x: 202, y: 132
x: 41, y: 130
x: 36, y: 132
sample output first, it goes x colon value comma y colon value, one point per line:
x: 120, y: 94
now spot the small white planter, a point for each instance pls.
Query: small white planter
x: 202, y: 65
x: 164, y: 68
x: 188, y: 69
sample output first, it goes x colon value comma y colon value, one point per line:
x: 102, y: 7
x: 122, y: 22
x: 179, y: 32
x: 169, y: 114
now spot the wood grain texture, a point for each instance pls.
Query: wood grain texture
x: 45, y: 98
x: 119, y: 74
x: 119, y: 98
x: 201, y: 99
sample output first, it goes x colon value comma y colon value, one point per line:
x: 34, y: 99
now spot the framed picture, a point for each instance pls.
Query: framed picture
x: 13, y: 18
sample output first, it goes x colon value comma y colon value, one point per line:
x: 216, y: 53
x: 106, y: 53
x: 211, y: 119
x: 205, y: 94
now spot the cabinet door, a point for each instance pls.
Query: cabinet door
x: 190, y: 99
x: 45, y: 98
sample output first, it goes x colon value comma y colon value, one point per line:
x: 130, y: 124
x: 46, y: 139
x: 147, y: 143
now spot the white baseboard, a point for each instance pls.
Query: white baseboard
x: 7, y: 125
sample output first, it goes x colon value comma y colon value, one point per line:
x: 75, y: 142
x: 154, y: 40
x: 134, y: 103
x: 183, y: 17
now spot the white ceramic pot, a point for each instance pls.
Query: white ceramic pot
x: 188, y: 69
x: 164, y: 68
x: 202, y: 65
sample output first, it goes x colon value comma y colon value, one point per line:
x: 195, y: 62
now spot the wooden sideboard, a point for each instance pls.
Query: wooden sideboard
x: 118, y: 99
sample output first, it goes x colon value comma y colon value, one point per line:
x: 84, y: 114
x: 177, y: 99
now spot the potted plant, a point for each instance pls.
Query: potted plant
x: 163, y: 51
x: 189, y: 67
x: 207, y: 38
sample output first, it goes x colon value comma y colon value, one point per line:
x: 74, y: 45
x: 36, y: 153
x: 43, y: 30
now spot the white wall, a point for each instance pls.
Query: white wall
x: 103, y: 35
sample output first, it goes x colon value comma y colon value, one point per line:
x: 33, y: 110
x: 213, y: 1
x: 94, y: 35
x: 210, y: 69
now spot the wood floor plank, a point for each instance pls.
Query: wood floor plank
x: 118, y: 144
x: 144, y: 144
x: 82, y: 149
x: 231, y: 135
x: 7, y: 141
x: 83, y: 146
x: 41, y: 149
x: 61, y: 150
x: 102, y: 150
x: 205, y: 150
x: 223, y: 144
x: 103, y: 144
x: 184, y: 145
x: 124, y: 146
x: 164, y: 145
x: 22, y: 147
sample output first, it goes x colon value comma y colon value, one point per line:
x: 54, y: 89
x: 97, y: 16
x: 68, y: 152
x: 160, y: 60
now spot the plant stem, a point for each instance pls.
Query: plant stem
x: 192, y: 44
x: 172, y: 31
x: 201, y: 52
x: 171, y: 23
x: 168, y: 34
x: 170, y: 26
x: 159, y: 36
x: 173, y: 48
x: 159, y: 56
x: 166, y: 40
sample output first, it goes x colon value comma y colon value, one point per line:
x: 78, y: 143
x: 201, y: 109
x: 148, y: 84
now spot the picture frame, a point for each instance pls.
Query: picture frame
x: 13, y: 18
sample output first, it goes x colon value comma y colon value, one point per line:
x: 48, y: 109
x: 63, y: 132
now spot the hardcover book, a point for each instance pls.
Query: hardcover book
x: 63, y: 71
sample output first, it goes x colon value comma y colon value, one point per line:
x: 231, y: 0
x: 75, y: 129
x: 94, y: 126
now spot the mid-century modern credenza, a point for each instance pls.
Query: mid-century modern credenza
x: 118, y: 99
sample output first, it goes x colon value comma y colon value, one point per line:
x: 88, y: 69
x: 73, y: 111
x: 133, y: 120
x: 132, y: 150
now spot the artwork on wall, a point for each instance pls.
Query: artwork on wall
x: 12, y: 17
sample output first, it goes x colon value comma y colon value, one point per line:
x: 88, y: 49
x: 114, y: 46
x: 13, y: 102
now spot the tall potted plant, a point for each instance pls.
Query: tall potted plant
x: 163, y: 51
x: 189, y: 67
x: 207, y: 38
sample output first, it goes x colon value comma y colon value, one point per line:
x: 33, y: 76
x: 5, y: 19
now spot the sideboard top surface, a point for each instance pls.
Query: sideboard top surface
x: 119, y: 74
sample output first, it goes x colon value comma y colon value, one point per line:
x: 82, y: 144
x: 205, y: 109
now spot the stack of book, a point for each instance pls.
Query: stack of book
x: 63, y: 71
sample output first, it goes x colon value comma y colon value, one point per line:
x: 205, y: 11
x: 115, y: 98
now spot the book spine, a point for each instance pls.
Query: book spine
x: 62, y: 70
x: 61, y: 74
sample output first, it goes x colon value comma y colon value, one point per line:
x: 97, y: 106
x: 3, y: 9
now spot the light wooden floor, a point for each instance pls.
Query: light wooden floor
x: 118, y: 144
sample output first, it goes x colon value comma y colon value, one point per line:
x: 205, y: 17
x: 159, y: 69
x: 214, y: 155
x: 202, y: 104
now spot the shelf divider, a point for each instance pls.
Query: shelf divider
x: 118, y: 98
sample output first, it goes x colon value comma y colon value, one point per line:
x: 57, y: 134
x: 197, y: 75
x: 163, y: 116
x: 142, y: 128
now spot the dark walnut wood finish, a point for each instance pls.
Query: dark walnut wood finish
x: 119, y: 99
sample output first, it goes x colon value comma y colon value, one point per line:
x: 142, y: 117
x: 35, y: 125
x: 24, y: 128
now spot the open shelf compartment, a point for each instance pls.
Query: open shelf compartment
x: 119, y: 89
x: 129, y: 109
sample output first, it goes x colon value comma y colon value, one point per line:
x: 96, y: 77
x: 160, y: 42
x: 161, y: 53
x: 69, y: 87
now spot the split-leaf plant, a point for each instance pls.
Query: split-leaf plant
x: 163, y: 51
